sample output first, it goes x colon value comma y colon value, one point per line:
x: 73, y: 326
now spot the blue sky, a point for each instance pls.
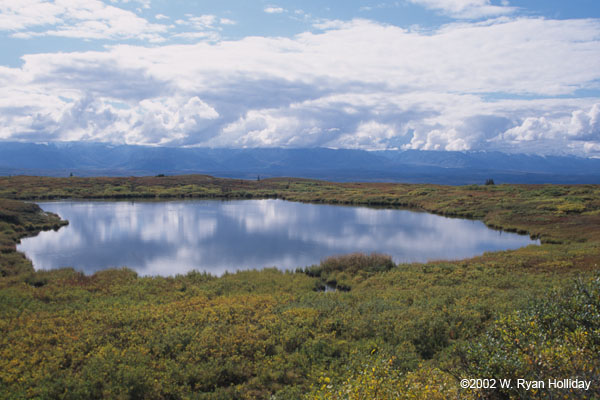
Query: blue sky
x: 514, y: 76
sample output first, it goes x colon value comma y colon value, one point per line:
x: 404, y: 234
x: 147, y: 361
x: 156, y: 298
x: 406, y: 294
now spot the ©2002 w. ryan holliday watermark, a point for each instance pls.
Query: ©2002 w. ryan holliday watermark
x: 525, y: 384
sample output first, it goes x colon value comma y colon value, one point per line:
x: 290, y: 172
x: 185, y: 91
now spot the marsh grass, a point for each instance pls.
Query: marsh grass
x: 398, y: 331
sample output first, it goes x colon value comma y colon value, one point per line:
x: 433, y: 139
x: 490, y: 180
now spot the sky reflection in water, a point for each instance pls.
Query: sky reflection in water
x: 168, y: 238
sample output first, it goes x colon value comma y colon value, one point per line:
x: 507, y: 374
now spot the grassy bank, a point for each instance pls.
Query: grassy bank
x: 407, y: 331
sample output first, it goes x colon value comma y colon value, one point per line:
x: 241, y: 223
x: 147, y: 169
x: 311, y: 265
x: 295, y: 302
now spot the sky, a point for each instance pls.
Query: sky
x: 518, y: 76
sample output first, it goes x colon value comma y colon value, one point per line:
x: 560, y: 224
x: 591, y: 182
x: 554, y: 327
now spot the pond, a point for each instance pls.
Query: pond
x: 174, y: 237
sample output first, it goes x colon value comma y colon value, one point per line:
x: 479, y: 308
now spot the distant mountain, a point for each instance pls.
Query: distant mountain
x: 444, y: 167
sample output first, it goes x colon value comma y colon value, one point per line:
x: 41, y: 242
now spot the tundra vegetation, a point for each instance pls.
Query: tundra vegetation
x: 389, y: 331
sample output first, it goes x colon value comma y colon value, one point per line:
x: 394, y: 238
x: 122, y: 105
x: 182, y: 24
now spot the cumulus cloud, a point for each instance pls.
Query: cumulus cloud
x: 582, y: 125
x: 199, y: 22
x: 555, y: 132
x: 532, y: 129
x: 205, y: 27
x: 466, y: 9
x: 84, y: 19
x: 371, y: 135
x: 353, y: 84
x: 93, y: 19
x: 227, y: 21
x: 465, y: 125
x: 585, y: 125
x: 143, y: 3
x: 592, y: 149
x: 167, y: 120
x: 437, y: 139
x: 157, y: 121
x: 274, y: 10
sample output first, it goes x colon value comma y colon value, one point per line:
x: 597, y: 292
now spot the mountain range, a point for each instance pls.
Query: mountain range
x: 442, y: 167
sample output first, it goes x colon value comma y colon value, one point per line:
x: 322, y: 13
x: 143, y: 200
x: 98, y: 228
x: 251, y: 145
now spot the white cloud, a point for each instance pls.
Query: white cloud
x: 355, y: 84
x: 263, y: 128
x: 592, y: 149
x: 586, y: 125
x: 203, y: 21
x: 531, y: 129
x: 85, y: 19
x: 206, y: 27
x: 156, y: 121
x: 165, y: 120
x: 437, y: 139
x: 227, y: 21
x: 580, y: 125
x: 144, y: 3
x: 210, y: 36
x: 466, y: 9
x: 555, y: 132
x: 274, y: 10
x: 371, y: 135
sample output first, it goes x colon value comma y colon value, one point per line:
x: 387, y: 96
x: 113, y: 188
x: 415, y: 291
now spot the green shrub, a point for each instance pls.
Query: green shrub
x: 356, y: 262
x: 554, y: 338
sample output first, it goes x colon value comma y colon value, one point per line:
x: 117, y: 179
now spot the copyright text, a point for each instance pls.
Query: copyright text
x: 525, y: 384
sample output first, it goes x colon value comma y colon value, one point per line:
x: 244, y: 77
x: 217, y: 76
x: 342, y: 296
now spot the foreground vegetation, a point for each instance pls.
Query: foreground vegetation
x: 390, y: 331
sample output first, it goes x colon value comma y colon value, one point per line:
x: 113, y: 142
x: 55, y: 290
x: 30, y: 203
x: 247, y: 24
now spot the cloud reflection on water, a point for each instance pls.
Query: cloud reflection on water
x: 168, y: 238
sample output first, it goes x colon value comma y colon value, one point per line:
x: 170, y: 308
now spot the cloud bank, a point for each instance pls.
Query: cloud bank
x: 507, y: 84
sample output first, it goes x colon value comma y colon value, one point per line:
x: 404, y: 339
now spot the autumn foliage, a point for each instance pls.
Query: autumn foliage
x: 382, y: 331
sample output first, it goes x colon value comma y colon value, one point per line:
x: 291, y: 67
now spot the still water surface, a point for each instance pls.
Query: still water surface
x: 168, y: 238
